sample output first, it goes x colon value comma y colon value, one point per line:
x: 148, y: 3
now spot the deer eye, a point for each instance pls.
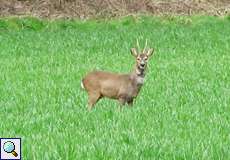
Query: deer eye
x: 145, y: 58
x: 138, y: 59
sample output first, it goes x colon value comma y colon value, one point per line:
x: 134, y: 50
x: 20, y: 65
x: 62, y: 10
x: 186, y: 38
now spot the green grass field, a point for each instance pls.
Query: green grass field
x: 182, y: 111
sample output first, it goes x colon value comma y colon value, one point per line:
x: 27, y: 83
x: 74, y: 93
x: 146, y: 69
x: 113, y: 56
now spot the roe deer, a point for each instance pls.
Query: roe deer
x: 123, y: 87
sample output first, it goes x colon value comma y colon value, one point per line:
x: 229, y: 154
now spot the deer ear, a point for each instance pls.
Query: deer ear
x: 134, y: 52
x: 150, y: 52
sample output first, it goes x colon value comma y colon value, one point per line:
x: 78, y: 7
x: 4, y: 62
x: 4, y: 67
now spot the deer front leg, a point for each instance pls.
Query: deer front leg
x: 130, y: 102
x: 122, y: 98
x: 122, y: 101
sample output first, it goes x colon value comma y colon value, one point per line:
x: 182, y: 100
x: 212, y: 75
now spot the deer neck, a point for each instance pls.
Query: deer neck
x: 138, y: 76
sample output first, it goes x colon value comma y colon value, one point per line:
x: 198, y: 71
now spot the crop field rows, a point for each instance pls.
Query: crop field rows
x: 182, y: 111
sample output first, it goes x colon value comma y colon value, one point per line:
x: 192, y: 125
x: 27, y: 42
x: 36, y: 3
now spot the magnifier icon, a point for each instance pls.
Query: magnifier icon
x: 9, y: 147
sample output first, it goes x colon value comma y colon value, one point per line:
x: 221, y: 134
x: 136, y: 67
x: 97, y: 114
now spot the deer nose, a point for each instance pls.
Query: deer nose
x: 142, y: 64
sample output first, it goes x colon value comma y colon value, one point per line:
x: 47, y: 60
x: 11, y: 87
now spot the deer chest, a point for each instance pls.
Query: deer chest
x: 133, y: 90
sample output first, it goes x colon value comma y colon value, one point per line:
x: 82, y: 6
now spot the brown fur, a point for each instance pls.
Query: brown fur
x: 123, y: 87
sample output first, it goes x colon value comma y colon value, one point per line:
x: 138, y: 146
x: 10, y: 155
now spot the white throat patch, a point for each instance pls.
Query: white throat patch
x: 138, y: 72
x: 140, y: 80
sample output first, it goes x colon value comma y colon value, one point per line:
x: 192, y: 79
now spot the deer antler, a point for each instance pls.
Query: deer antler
x: 138, y: 46
x: 146, y: 43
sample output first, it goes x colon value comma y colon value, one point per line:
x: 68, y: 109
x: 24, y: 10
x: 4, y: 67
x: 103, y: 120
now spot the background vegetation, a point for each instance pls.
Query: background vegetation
x: 111, y: 8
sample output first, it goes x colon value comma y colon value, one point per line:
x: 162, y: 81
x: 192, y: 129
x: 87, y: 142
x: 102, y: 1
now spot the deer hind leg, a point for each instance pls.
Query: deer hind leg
x: 93, y: 98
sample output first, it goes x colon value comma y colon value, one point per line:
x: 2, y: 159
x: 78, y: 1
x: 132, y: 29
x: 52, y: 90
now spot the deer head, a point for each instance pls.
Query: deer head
x: 141, y: 56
